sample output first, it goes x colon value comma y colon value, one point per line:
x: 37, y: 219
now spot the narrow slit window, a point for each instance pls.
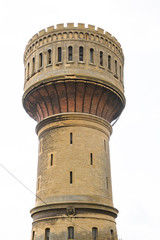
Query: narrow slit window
x: 47, y: 233
x: 70, y: 56
x: 28, y: 70
x: 51, y: 162
x: 112, y: 234
x: 59, y: 54
x: 71, y: 178
x: 70, y: 232
x: 80, y: 53
x: 115, y: 63
x: 94, y: 233
x: 104, y: 145
x: 109, y: 62
x: 33, y: 65
x: 49, y: 60
x: 120, y: 73
x: 40, y: 145
x: 40, y: 60
x: 25, y: 73
x: 106, y: 182
x: 91, y: 158
x: 33, y: 235
x: 71, y: 138
x: 91, y: 55
x: 101, y: 58
x: 38, y: 184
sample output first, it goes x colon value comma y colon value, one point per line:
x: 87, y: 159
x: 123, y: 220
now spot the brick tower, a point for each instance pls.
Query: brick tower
x: 74, y: 90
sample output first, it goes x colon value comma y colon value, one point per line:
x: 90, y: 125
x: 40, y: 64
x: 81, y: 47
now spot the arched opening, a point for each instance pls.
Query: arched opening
x: 112, y: 234
x: 70, y: 56
x: 33, y: 65
x: 33, y: 235
x: 94, y: 233
x: 70, y: 232
x: 115, y: 63
x: 47, y: 233
x: 40, y: 60
x: 28, y: 70
x: 49, y: 57
x: 80, y: 53
x: 101, y: 58
x: 109, y: 62
x: 120, y: 73
x: 59, y: 54
x: 91, y: 55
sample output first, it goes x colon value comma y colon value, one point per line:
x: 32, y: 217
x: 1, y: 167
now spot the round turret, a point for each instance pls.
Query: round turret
x: 73, y: 69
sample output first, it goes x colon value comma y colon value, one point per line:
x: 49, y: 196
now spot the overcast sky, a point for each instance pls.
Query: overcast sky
x: 135, y: 142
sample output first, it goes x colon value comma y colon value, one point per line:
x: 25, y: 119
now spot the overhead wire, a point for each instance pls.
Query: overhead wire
x: 9, y: 172
x: 37, y: 195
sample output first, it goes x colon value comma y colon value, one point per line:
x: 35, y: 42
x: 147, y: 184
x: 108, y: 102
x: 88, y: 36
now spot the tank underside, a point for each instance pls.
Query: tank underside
x: 73, y: 96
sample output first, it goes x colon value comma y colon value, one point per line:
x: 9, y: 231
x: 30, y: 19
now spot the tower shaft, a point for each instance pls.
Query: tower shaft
x: 74, y: 177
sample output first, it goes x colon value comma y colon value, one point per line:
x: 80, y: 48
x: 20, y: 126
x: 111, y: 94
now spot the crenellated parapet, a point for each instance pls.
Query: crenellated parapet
x: 72, y: 32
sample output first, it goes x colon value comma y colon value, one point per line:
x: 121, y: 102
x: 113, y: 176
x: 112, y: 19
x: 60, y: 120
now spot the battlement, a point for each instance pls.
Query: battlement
x: 71, y: 31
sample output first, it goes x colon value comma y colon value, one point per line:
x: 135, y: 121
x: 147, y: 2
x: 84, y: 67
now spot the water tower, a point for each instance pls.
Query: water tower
x: 74, y: 90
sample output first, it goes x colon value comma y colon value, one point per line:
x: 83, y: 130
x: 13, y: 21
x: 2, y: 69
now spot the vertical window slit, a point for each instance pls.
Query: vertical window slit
x: 49, y: 57
x: 112, y: 234
x: 70, y: 53
x: 33, y: 235
x: 101, y: 58
x: 106, y: 182
x: 47, y: 233
x: 109, y: 62
x: 40, y: 60
x: 38, y: 184
x: 28, y: 71
x: 94, y: 233
x: 91, y: 55
x: 80, y: 53
x: 33, y: 65
x: 59, y: 54
x: 91, y: 158
x: 116, y: 67
x: 71, y: 178
x: 70, y: 232
x: 51, y: 159
x: 104, y: 145
x: 120, y: 74
x: 71, y: 138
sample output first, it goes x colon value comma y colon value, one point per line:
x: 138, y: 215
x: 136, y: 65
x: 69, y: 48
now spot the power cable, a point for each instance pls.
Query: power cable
x: 40, y: 198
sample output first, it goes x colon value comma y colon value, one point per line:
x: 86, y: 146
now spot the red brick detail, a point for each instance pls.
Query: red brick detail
x: 89, y: 92
x: 62, y: 95
x: 52, y: 91
x: 70, y: 86
x: 95, y: 100
x: 72, y: 96
x: 80, y: 91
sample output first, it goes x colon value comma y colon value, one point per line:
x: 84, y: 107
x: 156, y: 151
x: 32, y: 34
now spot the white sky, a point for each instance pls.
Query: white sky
x: 134, y: 144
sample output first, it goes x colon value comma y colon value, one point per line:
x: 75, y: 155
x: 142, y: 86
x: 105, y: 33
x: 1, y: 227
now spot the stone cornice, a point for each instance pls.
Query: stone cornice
x: 87, y: 205
x: 74, y: 119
